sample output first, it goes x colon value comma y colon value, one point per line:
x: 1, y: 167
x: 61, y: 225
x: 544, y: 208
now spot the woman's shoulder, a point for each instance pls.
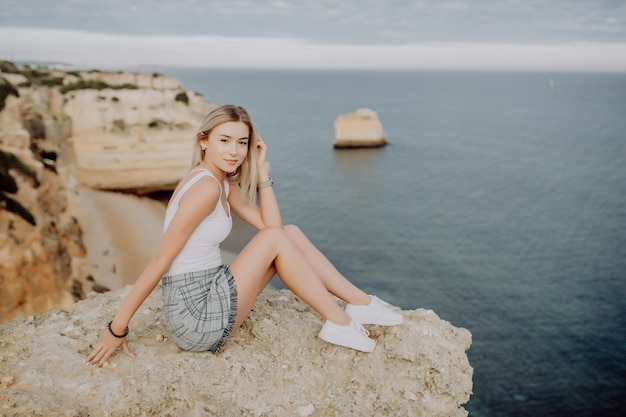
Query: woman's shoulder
x: 203, y: 193
x: 206, y: 182
x: 200, y: 185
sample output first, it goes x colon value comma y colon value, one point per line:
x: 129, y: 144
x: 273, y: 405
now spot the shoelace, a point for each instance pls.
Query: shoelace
x: 360, y: 328
x: 382, y: 305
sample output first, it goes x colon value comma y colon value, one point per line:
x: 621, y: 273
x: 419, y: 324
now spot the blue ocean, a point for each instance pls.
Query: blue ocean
x: 500, y: 203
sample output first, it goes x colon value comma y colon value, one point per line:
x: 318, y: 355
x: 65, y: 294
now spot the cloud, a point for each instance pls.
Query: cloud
x: 109, y: 51
x: 476, y: 34
x: 335, y: 21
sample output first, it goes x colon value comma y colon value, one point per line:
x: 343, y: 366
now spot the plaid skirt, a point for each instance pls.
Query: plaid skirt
x: 200, y: 308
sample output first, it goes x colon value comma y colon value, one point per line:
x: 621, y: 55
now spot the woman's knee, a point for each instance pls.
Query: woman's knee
x: 293, y: 231
x: 289, y: 234
x: 272, y: 234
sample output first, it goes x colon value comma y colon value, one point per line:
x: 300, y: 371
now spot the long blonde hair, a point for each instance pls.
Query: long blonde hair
x: 246, y: 175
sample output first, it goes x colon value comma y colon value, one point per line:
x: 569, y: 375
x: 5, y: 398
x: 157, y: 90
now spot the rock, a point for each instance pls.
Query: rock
x: 360, y: 129
x: 102, y: 138
x: 42, y: 255
x: 15, y: 79
x: 419, y: 368
x: 121, y: 131
x: 148, y: 81
x: 306, y: 410
x: 135, y: 140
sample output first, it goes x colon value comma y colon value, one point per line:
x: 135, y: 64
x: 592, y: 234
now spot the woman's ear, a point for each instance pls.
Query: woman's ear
x: 203, y: 139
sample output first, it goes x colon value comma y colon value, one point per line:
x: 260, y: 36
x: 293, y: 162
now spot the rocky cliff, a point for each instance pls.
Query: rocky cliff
x: 125, y: 131
x: 60, y: 130
x: 41, y: 250
x: 42, y: 255
x: 273, y: 366
x: 137, y: 139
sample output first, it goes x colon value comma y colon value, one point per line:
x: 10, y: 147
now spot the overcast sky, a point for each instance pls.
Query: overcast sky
x: 498, y: 34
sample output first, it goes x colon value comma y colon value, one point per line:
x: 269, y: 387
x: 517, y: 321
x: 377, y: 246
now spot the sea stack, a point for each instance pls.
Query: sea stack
x: 361, y: 129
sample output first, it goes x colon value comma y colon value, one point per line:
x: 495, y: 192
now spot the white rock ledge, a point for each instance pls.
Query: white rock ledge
x: 275, y: 365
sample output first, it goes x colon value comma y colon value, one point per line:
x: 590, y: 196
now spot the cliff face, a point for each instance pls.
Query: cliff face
x: 273, y: 366
x: 135, y: 139
x: 42, y: 255
x: 58, y: 131
x: 41, y: 264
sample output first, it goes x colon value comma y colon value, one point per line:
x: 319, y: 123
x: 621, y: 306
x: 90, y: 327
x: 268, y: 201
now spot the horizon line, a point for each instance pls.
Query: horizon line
x: 89, y: 49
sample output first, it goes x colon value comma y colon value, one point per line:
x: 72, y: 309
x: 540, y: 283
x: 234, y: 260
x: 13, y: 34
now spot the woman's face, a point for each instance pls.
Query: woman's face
x: 227, y: 146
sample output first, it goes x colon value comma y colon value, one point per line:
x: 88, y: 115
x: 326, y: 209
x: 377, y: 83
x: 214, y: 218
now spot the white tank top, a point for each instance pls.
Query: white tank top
x: 202, y: 250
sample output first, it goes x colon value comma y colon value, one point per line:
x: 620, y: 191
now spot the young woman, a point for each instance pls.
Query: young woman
x: 204, y: 300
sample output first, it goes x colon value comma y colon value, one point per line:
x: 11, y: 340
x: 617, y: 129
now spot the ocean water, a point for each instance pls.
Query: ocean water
x: 500, y: 203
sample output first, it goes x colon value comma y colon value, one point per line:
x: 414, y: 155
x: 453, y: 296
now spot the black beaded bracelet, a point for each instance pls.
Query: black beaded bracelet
x: 117, y: 335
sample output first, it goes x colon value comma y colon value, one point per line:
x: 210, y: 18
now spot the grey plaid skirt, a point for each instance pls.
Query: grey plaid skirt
x: 200, y: 308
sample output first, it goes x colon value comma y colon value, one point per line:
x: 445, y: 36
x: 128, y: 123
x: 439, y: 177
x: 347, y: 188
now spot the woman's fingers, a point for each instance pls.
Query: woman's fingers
x: 127, y: 349
x: 95, y: 353
x: 101, y: 356
x: 95, y: 358
x: 262, y: 148
x: 105, y: 356
x: 91, y: 355
x: 104, y: 349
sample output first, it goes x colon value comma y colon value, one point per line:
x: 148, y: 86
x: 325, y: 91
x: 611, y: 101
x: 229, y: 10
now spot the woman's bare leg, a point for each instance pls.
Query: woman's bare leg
x: 271, y: 251
x: 247, y: 296
x: 332, y: 279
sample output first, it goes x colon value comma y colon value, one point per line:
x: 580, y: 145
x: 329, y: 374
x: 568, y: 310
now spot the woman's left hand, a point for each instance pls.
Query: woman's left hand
x: 261, y: 161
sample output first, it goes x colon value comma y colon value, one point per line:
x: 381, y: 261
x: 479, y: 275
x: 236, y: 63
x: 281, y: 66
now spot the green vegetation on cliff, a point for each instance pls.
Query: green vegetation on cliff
x: 49, y: 78
x: 182, y: 97
x: 6, y: 89
x: 8, y: 67
x: 8, y: 184
x: 95, y: 85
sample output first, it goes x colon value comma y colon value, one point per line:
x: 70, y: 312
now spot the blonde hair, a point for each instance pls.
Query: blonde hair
x: 246, y: 175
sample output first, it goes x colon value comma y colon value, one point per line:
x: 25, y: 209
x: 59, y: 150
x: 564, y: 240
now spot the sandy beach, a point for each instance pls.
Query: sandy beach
x: 122, y: 233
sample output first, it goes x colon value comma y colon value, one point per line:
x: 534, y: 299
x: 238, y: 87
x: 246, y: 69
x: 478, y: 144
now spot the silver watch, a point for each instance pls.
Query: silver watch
x: 264, y: 184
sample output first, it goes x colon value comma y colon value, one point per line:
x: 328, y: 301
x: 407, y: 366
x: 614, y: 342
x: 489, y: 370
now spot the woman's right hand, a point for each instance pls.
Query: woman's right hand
x: 107, y: 344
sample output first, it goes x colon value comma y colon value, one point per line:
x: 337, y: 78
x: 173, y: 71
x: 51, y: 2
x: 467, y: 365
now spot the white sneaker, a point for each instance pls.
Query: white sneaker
x: 377, y: 312
x: 353, y: 336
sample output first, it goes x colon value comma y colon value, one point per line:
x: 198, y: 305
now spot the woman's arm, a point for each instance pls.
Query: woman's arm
x: 268, y: 215
x: 197, y: 203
